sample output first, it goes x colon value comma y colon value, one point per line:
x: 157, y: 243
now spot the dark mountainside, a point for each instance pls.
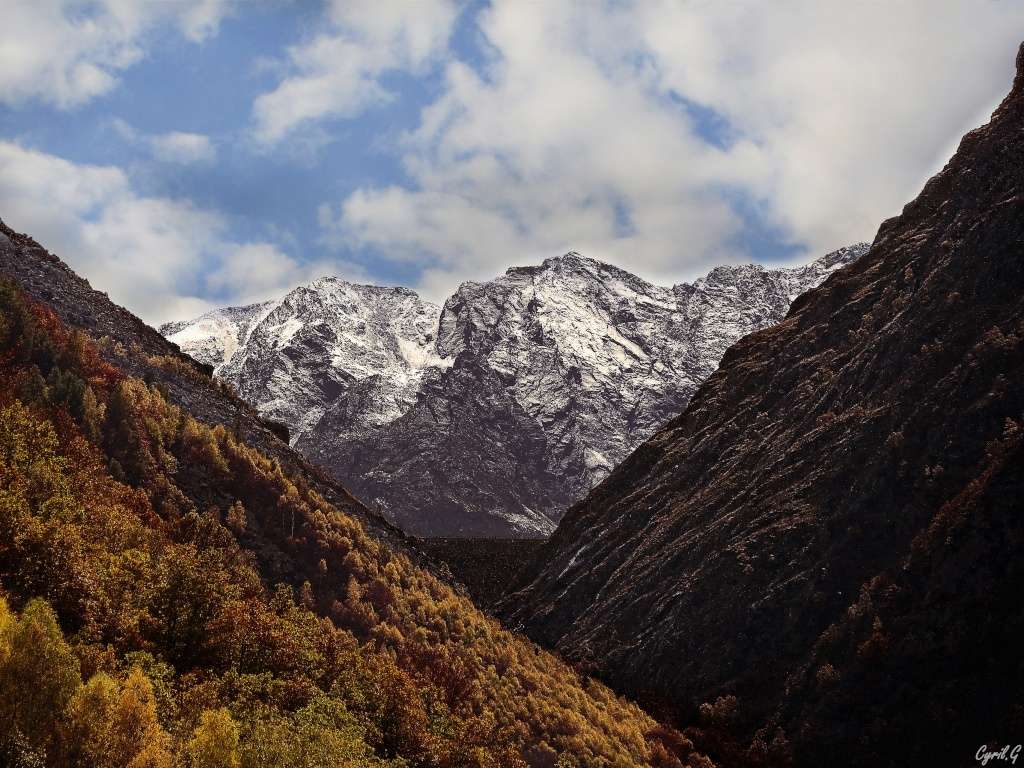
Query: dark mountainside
x: 829, y: 531
x: 484, y: 566
x: 465, y: 456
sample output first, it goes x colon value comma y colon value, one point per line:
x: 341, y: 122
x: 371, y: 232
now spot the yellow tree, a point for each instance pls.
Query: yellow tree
x: 7, y: 623
x: 136, y: 738
x: 114, y: 725
x: 38, y: 678
x: 214, y: 743
x: 88, y: 730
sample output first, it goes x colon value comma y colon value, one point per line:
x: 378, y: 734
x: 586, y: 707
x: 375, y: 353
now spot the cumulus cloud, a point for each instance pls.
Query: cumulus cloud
x: 66, y: 52
x: 337, y: 73
x: 852, y: 106
x: 630, y: 131
x: 161, y: 257
x: 258, y: 271
x: 184, y: 148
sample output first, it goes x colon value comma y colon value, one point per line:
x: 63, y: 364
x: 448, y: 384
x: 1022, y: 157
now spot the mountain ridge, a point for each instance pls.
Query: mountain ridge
x: 513, y: 400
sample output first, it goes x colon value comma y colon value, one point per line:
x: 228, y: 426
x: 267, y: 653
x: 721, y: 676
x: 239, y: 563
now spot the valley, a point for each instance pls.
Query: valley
x: 322, y: 445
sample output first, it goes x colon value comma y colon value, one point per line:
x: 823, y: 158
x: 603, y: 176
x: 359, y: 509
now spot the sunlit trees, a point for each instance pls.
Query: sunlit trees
x: 215, y: 741
x: 112, y: 724
x: 38, y: 678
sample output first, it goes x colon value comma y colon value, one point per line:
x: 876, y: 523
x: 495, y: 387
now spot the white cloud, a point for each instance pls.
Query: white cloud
x: 575, y: 134
x: 199, y: 19
x: 162, y: 258
x: 183, y: 148
x: 852, y: 106
x: 336, y: 74
x: 66, y: 52
x: 173, y: 147
x: 258, y: 271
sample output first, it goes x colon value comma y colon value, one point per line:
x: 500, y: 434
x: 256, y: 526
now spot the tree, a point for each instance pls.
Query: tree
x: 328, y: 735
x: 235, y: 518
x: 7, y: 624
x: 38, y: 679
x: 93, y: 414
x: 136, y: 738
x: 112, y: 725
x: 88, y: 729
x: 214, y: 742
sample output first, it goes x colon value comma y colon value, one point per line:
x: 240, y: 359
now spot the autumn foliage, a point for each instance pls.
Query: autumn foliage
x: 174, y: 598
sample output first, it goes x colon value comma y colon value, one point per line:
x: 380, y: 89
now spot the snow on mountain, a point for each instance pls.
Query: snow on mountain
x: 214, y: 338
x: 293, y: 357
x: 488, y: 417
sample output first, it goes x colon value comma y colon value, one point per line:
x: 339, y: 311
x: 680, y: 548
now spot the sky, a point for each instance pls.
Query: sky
x: 188, y: 154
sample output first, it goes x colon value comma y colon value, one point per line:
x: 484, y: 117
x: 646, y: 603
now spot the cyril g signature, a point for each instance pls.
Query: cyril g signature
x: 985, y: 755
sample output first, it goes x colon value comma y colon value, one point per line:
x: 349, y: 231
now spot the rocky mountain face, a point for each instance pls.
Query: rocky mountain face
x: 320, y: 344
x: 491, y: 415
x: 829, y: 532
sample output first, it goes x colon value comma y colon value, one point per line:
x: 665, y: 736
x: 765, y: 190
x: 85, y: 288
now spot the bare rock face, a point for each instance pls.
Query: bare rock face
x: 488, y: 417
x: 830, y: 532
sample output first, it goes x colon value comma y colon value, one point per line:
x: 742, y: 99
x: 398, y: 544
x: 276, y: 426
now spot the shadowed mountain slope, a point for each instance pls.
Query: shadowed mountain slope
x: 841, y: 494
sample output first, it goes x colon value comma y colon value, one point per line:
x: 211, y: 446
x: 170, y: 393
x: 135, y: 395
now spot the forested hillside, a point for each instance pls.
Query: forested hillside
x: 173, y: 596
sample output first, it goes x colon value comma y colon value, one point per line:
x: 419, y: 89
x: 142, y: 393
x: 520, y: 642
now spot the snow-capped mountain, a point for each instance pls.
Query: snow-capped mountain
x: 295, y: 357
x: 488, y: 417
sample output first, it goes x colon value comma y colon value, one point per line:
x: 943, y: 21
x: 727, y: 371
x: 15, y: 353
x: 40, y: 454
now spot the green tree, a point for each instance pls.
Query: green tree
x: 331, y: 736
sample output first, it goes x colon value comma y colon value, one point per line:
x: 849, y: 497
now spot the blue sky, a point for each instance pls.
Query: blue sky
x: 196, y: 153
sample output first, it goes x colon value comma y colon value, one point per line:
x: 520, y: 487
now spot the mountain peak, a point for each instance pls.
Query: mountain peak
x: 576, y: 262
x: 571, y: 261
x: 842, y: 256
x: 336, y: 281
x: 571, y: 258
x: 555, y: 372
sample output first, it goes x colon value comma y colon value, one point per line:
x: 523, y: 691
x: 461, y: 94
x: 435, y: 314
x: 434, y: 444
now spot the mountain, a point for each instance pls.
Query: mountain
x: 490, y: 416
x: 144, y: 353
x: 297, y: 356
x: 829, y: 532
x: 179, y: 587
